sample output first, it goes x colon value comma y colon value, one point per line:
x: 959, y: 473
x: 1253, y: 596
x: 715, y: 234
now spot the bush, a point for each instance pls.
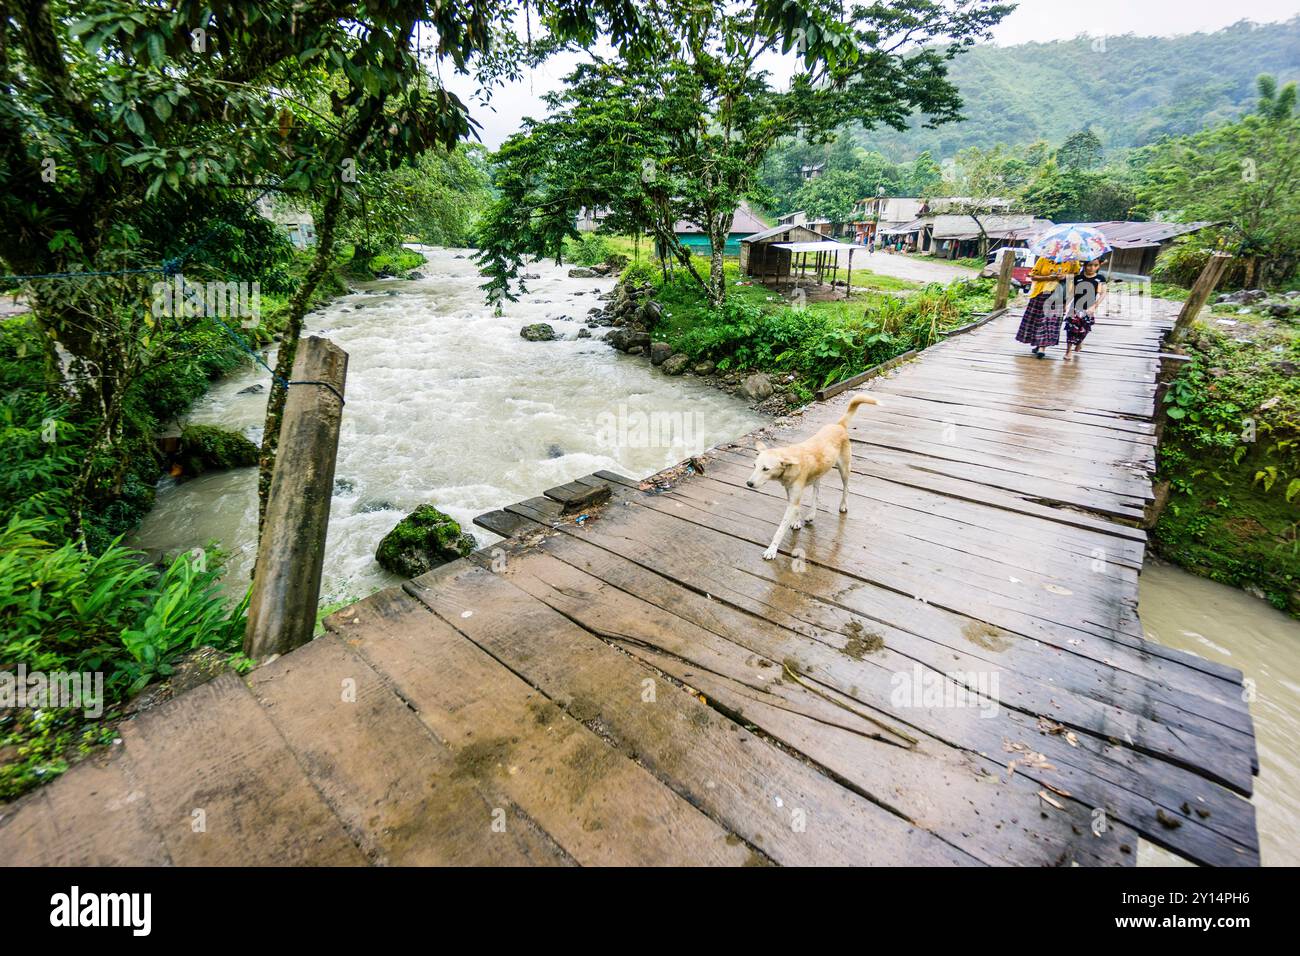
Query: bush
x: 589, y: 249
x: 204, y: 447
x: 62, y: 608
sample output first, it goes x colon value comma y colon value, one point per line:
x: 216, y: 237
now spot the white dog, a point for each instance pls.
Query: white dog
x: 806, y: 463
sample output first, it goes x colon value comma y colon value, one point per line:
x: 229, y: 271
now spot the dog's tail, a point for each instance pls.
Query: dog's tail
x: 853, y: 407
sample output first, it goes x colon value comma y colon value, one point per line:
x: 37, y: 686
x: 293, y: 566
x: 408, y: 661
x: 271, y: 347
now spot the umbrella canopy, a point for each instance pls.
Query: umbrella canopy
x: 1070, y: 243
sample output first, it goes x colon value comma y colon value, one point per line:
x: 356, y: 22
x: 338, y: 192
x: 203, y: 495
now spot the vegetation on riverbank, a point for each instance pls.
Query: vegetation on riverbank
x: 1231, y: 455
x: 810, y: 343
x: 89, y: 604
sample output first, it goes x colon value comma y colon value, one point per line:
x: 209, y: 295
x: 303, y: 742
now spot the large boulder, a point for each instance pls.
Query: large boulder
x: 627, y: 339
x: 423, y: 540
x: 538, y: 332
x: 660, y: 352
x: 584, y: 273
x: 676, y: 364
x: 205, y: 447
x: 757, y: 387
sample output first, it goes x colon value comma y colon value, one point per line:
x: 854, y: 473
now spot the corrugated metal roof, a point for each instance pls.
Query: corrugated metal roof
x: 744, y: 222
x: 916, y: 225
x: 779, y: 230
x: 829, y: 246
x: 1131, y: 235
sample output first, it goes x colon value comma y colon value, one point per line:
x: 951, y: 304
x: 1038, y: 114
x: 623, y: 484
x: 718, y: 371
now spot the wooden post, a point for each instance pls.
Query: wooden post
x: 1200, y: 294
x: 848, y: 280
x: 1004, y: 278
x: 286, y: 582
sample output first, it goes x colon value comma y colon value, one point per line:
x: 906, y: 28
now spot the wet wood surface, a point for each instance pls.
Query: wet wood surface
x: 952, y: 673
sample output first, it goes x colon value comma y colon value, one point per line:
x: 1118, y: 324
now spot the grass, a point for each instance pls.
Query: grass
x: 812, y: 345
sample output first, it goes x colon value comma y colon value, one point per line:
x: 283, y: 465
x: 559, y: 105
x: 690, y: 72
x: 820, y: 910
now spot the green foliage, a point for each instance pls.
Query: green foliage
x: 821, y: 343
x: 1242, y: 175
x: 62, y: 608
x: 589, y: 249
x: 676, y: 130
x: 1231, y: 453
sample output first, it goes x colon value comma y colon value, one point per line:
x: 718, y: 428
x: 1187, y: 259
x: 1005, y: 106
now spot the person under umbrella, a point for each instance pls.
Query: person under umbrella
x: 1060, y: 251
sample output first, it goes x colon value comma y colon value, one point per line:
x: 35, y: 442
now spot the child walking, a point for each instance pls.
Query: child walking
x: 1089, y: 291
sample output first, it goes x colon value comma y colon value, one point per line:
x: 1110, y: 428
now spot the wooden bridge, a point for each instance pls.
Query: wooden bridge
x: 952, y: 673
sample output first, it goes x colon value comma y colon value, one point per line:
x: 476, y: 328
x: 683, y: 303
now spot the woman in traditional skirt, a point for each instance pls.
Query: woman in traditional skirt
x: 1041, y: 325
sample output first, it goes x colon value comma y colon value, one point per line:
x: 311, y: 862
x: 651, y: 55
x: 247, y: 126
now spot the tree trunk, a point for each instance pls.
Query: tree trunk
x: 289, y: 349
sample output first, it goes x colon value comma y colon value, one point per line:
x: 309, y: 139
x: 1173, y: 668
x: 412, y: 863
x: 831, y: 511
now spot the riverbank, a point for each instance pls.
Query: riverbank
x: 1229, y: 460
x: 135, y: 619
x: 777, y: 348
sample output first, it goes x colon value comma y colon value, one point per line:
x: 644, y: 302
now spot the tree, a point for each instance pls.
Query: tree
x: 1243, y: 175
x: 679, y: 130
x: 113, y: 111
x: 1080, y: 151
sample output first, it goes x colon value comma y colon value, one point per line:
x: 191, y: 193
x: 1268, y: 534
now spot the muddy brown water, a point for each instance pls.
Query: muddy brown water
x: 1228, y: 625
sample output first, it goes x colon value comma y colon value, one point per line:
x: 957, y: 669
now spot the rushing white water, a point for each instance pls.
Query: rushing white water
x: 448, y: 405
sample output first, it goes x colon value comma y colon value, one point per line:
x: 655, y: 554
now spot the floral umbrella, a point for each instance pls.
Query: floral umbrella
x: 1070, y: 243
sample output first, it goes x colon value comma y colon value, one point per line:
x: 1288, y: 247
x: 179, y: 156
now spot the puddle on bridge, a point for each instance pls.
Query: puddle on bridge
x: 1228, y: 625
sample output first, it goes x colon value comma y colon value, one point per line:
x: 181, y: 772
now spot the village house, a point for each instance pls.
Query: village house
x: 1137, y: 244
x: 743, y: 224
x: 297, y: 223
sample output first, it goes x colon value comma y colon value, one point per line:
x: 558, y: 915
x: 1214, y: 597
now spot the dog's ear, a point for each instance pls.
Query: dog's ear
x: 760, y: 446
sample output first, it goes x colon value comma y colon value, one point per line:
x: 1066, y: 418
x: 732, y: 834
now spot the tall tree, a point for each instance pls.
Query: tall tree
x: 678, y: 130
x: 1243, y: 175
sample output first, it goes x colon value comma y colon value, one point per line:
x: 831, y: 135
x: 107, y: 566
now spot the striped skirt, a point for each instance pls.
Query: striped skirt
x: 1041, y: 325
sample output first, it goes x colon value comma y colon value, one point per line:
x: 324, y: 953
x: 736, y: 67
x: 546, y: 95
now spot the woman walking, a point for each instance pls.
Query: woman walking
x: 1041, y: 326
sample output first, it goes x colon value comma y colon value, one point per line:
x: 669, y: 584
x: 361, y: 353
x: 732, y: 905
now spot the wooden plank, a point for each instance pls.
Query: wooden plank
x: 929, y: 784
x: 91, y: 816
x: 856, y: 380
x: 592, y: 800
x: 392, y: 783
x: 224, y: 789
x: 575, y: 497
x: 1132, y: 786
x: 751, y: 788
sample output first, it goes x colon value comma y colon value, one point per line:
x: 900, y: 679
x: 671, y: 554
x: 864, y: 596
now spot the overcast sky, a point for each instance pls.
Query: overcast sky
x: 1041, y: 20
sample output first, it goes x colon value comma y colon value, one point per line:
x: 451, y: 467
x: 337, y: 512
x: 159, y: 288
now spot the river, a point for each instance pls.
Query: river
x: 448, y: 405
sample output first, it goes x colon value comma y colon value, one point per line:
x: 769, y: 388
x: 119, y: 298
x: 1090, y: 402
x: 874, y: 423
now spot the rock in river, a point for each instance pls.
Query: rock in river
x: 423, y: 540
x: 538, y: 332
x: 676, y: 364
x: 757, y: 387
x: 660, y: 352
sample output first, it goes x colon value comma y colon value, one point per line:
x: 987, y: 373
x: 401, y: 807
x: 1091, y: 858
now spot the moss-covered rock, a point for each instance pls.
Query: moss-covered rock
x: 205, y: 447
x: 423, y: 540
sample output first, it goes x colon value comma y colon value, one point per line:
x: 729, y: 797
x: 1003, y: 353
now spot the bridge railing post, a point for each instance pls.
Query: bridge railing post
x: 1008, y: 263
x: 286, y: 582
x: 1202, y: 288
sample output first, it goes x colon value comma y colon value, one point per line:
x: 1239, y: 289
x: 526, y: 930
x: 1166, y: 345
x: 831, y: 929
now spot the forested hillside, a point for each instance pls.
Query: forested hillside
x: 1132, y: 90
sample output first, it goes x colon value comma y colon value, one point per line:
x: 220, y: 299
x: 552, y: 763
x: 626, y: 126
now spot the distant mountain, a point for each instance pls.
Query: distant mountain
x: 1131, y: 90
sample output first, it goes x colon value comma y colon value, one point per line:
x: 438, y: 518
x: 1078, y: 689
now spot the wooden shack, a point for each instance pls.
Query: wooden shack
x: 762, y: 257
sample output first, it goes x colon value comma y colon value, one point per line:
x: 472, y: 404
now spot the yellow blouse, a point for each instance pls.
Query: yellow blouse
x: 1048, y: 274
